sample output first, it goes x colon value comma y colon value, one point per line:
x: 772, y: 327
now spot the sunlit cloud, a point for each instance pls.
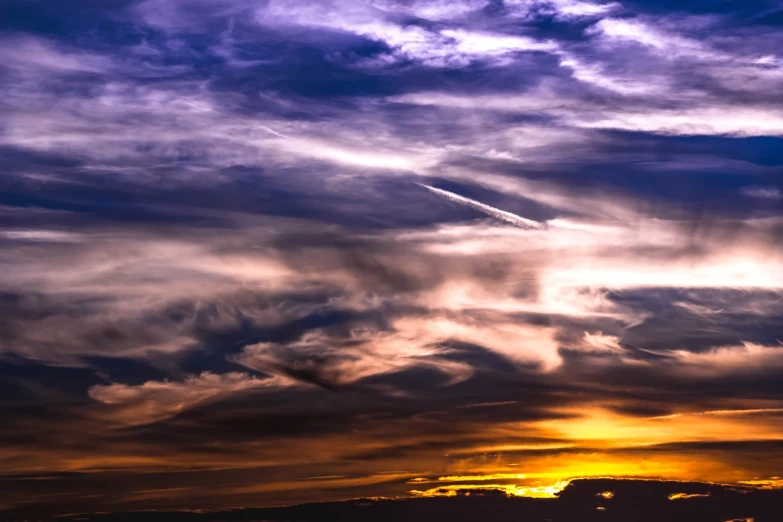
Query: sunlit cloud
x: 601, y: 343
x: 747, y: 357
x: 154, y: 401
x: 604, y: 428
x: 510, y: 489
x: 332, y: 361
x: 687, y: 496
x: 481, y: 478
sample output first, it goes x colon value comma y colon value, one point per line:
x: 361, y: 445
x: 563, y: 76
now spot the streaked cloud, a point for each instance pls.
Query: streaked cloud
x: 155, y: 400
x: 763, y: 193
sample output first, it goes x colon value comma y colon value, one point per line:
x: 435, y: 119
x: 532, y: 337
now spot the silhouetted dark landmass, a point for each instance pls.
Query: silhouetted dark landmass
x: 582, y: 501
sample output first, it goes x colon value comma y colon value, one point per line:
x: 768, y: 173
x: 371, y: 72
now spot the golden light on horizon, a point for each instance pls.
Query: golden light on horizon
x: 686, y: 496
x: 548, y: 491
x: 599, y: 443
x: 602, y: 428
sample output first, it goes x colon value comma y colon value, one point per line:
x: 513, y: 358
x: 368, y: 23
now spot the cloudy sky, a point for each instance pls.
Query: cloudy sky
x: 259, y: 252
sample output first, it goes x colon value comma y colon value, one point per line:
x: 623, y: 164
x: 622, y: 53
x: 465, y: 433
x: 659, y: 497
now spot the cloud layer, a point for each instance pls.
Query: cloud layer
x: 272, y: 252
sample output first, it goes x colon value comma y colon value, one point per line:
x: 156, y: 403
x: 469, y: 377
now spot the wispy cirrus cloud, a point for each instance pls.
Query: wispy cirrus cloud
x: 155, y: 401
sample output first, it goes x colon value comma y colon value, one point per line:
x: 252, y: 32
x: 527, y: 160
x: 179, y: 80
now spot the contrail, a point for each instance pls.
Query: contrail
x: 209, y: 109
x: 496, y: 213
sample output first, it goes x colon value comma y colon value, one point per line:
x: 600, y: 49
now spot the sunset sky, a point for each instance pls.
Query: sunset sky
x: 264, y: 252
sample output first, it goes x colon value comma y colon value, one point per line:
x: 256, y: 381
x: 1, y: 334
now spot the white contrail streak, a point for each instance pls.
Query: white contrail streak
x: 496, y: 213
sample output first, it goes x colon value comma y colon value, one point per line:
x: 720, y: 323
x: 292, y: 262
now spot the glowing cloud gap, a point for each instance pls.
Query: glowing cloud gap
x: 480, y: 478
x: 496, y: 213
x: 547, y: 491
x: 686, y: 496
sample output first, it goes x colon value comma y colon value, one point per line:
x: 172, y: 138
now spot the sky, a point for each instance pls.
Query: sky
x: 264, y: 252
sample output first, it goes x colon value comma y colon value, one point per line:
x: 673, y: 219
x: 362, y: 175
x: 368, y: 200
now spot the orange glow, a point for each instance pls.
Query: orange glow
x: 772, y: 483
x: 604, y: 429
x: 474, y: 478
x: 501, y: 448
x: 549, y: 491
x: 685, y: 496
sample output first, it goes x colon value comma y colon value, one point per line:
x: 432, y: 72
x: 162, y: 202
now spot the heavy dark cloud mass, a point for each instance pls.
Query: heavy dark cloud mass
x: 588, y: 500
x: 257, y: 253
